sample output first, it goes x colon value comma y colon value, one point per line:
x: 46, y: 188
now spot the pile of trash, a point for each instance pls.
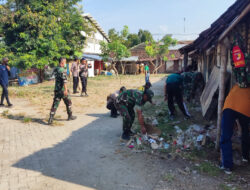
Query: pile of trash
x: 195, y: 136
x: 153, y: 141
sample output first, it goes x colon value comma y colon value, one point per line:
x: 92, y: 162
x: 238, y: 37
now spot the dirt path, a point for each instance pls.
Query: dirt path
x: 85, y: 154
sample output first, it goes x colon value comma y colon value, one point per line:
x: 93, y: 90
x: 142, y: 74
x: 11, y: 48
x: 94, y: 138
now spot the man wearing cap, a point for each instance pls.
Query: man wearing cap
x: 4, y: 75
x: 126, y: 103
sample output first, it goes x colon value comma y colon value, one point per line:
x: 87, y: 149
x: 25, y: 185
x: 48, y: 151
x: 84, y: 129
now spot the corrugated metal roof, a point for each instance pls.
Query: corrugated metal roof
x: 210, y: 36
x: 176, y: 47
x: 92, y: 57
x: 99, y: 28
x: 130, y: 59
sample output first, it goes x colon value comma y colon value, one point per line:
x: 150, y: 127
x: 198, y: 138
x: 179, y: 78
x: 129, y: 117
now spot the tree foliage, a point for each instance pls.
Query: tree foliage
x: 130, y: 39
x: 116, y: 49
x: 38, y: 32
x: 145, y: 36
x: 159, y: 50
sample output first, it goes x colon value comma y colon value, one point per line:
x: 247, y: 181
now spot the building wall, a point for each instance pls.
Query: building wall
x: 206, y: 61
x: 92, y: 44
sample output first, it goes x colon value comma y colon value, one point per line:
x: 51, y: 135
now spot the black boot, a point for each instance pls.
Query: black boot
x: 50, y: 121
x: 125, y: 136
x: 71, y: 117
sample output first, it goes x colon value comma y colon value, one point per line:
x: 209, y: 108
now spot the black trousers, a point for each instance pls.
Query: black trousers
x: 75, y: 83
x: 84, y: 81
x: 111, y: 106
x: 174, y: 91
x: 5, y: 94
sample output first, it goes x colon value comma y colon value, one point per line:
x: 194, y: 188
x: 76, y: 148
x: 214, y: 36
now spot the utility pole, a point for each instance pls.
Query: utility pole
x: 184, y: 25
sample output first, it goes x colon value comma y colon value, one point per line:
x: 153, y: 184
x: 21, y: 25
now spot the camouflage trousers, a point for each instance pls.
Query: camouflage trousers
x: 128, y: 115
x: 57, y: 99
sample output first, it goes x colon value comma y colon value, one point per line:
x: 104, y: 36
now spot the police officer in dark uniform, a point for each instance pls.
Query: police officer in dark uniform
x: 61, y: 91
x: 4, y: 74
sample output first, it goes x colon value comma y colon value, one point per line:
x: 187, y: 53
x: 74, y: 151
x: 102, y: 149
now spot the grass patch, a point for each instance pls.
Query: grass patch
x: 168, y: 177
x: 27, y: 120
x: 226, y: 187
x: 208, y: 168
x: 5, y: 113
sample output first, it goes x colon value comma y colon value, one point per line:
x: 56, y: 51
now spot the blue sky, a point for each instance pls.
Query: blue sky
x: 158, y: 16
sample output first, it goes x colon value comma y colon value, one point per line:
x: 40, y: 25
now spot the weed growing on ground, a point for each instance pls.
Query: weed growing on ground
x: 226, y: 187
x: 168, y: 177
x: 208, y: 168
x: 27, y: 120
x: 5, y: 113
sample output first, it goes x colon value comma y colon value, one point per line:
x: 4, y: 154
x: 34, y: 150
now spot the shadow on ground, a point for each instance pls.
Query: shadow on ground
x: 93, y: 157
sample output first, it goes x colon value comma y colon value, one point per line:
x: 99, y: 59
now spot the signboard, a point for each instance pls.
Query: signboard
x: 28, y: 77
x: 238, y: 57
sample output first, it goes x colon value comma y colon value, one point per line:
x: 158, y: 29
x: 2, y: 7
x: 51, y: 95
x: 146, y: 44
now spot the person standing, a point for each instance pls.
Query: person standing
x: 173, y: 90
x: 75, y: 74
x: 4, y: 81
x: 147, y: 73
x: 236, y: 106
x: 61, y: 91
x: 84, y: 75
x: 126, y: 102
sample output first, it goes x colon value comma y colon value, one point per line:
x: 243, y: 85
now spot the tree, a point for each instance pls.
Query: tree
x: 132, y: 40
x: 39, y: 32
x: 116, y: 49
x: 159, y: 50
x: 145, y: 36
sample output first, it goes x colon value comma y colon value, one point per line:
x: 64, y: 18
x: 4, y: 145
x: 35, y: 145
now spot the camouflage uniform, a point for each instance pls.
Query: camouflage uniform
x: 198, y: 86
x: 125, y: 103
x: 242, y: 74
x: 60, y: 80
x: 188, y: 84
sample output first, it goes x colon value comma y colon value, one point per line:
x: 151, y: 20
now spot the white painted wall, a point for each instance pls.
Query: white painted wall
x: 91, y: 70
x: 92, y: 45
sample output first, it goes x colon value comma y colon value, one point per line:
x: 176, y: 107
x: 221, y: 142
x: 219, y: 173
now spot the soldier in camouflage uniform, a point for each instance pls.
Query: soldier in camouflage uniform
x: 188, y: 83
x: 61, y: 91
x: 126, y: 102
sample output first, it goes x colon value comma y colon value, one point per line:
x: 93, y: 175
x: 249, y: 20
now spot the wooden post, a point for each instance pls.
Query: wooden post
x: 222, y: 86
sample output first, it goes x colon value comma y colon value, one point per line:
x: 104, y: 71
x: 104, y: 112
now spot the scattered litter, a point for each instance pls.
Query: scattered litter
x: 154, y: 146
x: 138, y: 140
x: 144, y: 137
x: 131, y: 146
x: 155, y: 122
x: 182, y: 171
x: 151, y: 141
x: 166, y: 145
x: 178, y: 130
x: 199, y: 138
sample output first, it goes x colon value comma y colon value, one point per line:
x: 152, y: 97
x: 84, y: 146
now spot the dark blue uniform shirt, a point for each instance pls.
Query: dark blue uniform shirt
x: 4, y: 75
